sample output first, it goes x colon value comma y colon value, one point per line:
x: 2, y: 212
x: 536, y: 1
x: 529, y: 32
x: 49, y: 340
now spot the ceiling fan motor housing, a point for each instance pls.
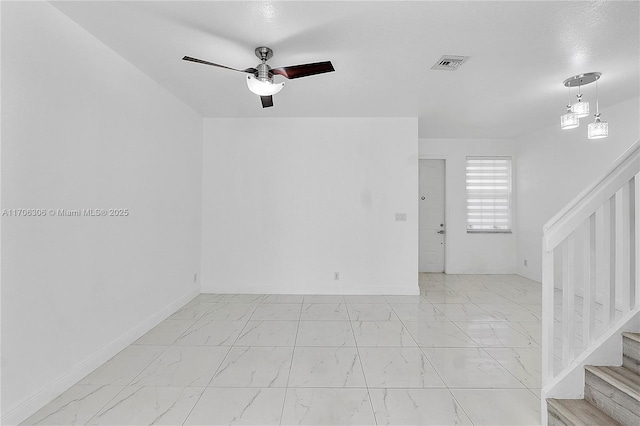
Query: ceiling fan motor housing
x: 264, y: 71
x: 264, y: 53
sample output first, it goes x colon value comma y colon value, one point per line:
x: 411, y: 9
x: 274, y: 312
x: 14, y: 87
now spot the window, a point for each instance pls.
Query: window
x: 488, y: 182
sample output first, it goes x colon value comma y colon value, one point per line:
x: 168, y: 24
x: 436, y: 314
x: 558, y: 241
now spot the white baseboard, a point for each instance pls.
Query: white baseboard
x: 339, y: 289
x: 49, y: 392
x: 456, y: 270
x: 530, y: 274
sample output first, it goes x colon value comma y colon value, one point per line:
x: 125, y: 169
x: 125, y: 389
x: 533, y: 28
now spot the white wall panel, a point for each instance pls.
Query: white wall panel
x: 288, y: 202
x: 84, y: 129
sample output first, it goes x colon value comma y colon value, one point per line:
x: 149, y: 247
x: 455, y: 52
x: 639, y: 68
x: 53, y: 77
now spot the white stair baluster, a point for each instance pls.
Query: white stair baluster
x: 633, y: 253
x: 625, y: 278
x: 610, y: 314
x: 589, y: 290
x: 548, y: 290
x: 568, y: 299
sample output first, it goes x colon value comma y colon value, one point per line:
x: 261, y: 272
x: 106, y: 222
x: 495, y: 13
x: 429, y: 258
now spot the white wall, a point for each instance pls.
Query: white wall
x: 288, y: 202
x: 470, y: 253
x: 83, y: 128
x: 554, y: 165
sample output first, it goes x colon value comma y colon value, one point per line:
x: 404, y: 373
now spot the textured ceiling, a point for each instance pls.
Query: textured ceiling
x: 520, y: 52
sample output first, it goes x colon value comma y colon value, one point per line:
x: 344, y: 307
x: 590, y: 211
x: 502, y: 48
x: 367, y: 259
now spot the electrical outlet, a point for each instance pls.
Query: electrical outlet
x: 336, y: 276
x: 525, y: 262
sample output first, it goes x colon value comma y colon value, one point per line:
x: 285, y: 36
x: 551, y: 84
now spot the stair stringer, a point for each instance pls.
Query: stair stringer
x: 607, y: 350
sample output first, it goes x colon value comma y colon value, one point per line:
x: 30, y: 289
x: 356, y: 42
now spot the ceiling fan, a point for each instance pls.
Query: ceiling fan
x: 260, y: 78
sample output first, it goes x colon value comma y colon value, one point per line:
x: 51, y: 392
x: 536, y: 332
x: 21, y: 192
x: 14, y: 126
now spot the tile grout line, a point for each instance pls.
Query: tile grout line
x: 218, y: 368
x: 293, y: 352
x: 460, y: 405
x: 503, y: 366
x: 419, y: 347
x: 124, y: 387
x: 447, y: 386
x: 158, y: 356
x: 484, y: 349
x: 434, y: 369
x: 355, y: 342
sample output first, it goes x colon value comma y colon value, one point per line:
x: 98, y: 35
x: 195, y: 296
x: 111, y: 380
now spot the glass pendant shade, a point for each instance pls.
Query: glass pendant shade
x: 580, y: 109
x: 598, y: 129
x: 569, y: 120
x: 263, y: 88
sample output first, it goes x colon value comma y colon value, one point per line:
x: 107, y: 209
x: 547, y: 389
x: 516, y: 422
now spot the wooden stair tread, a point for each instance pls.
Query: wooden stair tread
x: 619, y: 377
x: 632, y: 336
x: 579, y: 412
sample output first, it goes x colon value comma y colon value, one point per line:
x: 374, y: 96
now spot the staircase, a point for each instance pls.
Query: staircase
x: 611, y: 394
x: 591, y: 303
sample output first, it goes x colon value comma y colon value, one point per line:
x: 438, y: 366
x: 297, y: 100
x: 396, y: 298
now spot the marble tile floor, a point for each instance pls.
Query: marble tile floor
x: 465, y: 351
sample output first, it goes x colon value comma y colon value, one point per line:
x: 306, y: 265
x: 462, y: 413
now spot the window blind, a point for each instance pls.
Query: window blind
x: 488, y: 181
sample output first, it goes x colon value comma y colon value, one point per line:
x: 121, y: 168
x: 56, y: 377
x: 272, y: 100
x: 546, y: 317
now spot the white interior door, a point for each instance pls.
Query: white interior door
x: 431, y: 221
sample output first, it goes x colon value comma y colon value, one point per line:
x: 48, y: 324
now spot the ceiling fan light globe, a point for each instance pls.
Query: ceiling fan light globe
x: 263, y: 88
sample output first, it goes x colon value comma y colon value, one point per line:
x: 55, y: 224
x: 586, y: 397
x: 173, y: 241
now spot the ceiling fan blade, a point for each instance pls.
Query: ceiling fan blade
x: 297, y: 71
x: 267, y: 101
x: 200, y: 61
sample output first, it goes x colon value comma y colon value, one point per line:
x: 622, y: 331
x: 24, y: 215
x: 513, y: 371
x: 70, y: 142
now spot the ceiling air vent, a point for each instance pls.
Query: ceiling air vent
x: 449, y: 63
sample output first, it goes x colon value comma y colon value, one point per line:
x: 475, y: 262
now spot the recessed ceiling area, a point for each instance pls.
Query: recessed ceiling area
x: 519, y: 55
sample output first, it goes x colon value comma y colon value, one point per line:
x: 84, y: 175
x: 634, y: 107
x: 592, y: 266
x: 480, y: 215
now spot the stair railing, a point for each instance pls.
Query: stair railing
x: 590, y: 265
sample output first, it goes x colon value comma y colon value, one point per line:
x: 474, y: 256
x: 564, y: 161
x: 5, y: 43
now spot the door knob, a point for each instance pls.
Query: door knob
x: 422, y: 198
x: 441, y: 231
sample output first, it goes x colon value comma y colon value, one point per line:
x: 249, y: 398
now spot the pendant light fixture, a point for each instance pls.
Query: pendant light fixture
x: 598, y: 129
x: 570, y: 120
x: 580, y: 109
